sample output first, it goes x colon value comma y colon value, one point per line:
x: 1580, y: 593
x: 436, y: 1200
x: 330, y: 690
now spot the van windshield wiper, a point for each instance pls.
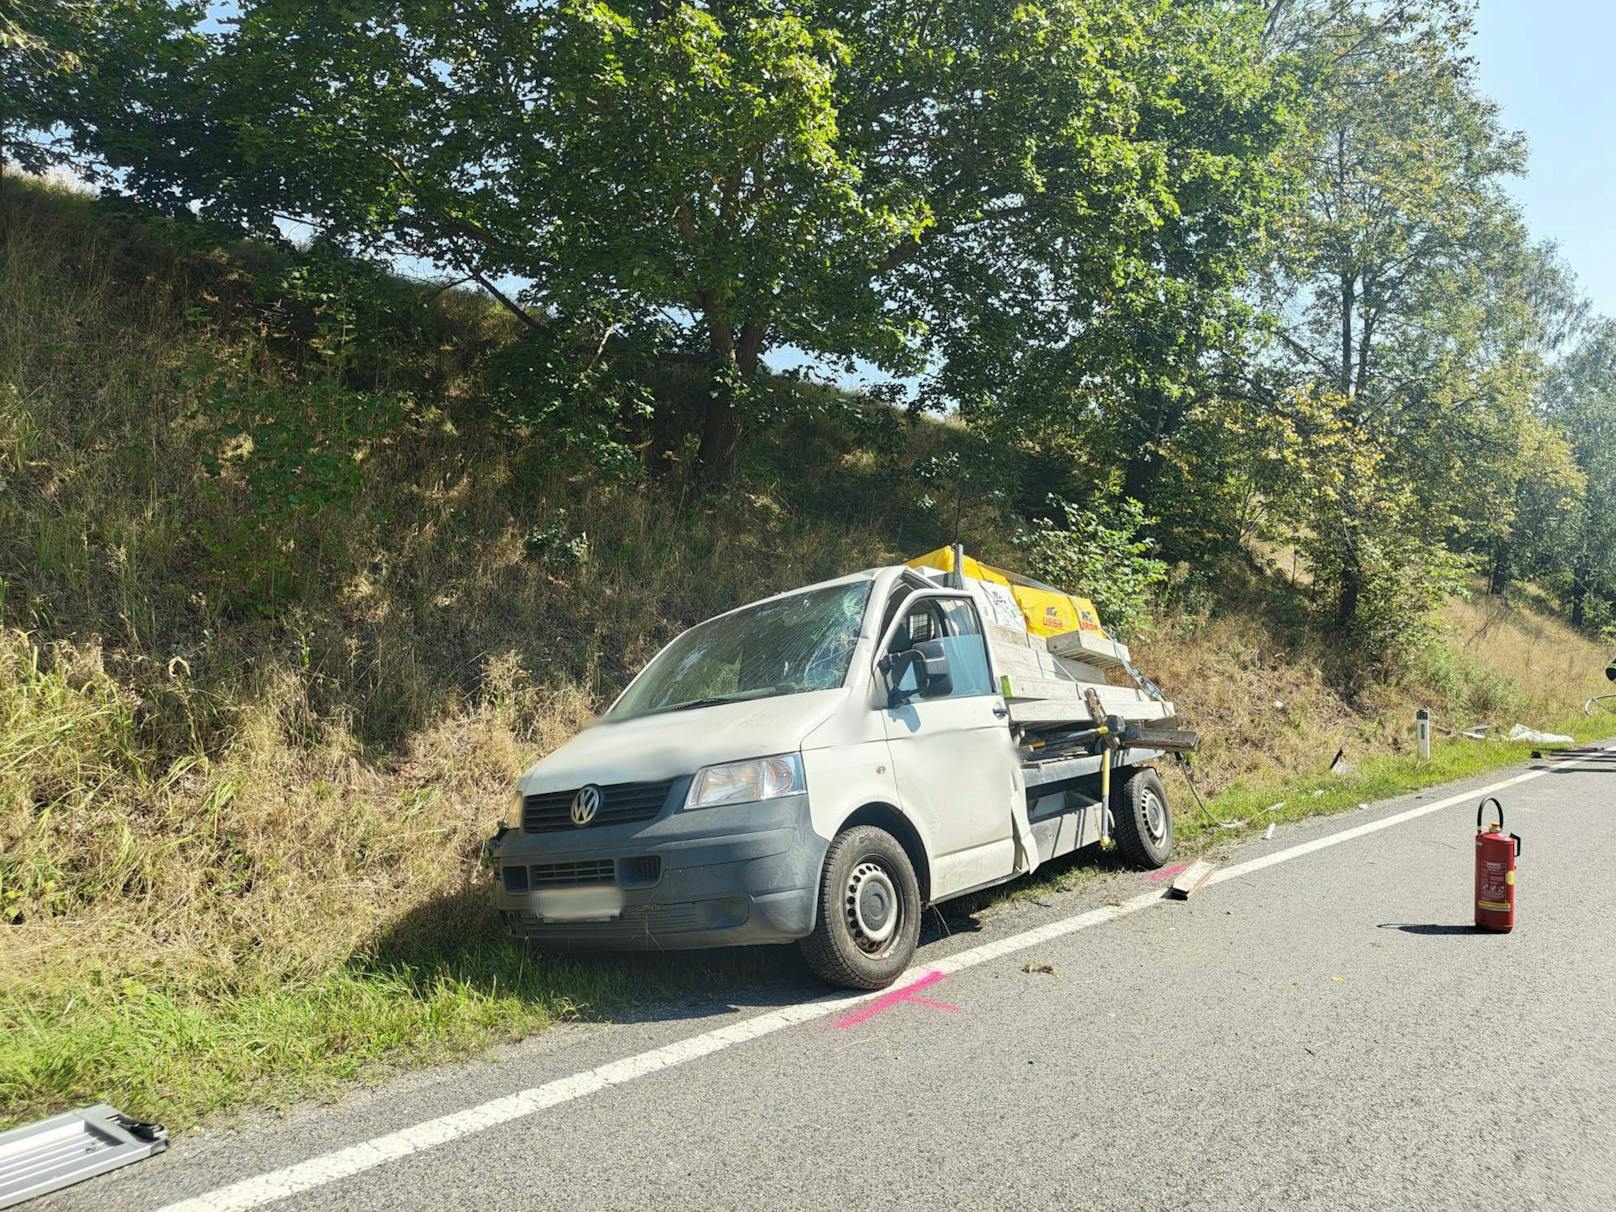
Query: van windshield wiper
x: 694, y: 703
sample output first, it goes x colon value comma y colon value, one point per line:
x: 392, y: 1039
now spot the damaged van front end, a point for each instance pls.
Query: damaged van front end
x: 677, y: 821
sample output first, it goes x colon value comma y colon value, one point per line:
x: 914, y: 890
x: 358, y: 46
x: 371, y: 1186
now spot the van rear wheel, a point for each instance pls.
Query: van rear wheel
x: 1142, y: 821
x: 869, y: 911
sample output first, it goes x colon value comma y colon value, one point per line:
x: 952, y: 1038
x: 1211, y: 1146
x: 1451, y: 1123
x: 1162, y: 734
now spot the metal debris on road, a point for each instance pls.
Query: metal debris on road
x: 65, y: 1149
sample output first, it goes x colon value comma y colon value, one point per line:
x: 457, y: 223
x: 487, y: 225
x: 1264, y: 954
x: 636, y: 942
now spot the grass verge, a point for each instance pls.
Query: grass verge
x: 1377, y: 778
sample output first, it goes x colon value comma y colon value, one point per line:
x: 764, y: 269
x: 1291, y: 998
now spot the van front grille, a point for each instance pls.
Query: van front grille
x: 566, y: 875
x: 620, y: 804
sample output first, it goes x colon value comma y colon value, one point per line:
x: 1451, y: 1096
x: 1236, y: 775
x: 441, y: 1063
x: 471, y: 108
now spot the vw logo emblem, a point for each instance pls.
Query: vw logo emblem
x: 585, y: 804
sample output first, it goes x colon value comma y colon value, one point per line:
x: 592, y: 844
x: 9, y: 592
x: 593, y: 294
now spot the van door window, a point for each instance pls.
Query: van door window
x: 954, y: 624
x: 967, y: 649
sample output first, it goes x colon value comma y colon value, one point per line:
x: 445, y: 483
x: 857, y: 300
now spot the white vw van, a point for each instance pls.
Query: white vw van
x: 813, y: 768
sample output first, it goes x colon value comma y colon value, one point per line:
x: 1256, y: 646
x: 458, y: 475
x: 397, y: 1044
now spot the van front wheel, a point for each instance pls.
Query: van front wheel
x: 869, y: 911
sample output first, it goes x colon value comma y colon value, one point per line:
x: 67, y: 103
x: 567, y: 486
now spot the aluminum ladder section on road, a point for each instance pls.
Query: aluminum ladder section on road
x: 69, y: 1148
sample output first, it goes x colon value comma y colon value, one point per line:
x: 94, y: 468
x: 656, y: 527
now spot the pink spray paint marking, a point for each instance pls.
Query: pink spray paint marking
x: 1166, y: 873
x: 906, y: 994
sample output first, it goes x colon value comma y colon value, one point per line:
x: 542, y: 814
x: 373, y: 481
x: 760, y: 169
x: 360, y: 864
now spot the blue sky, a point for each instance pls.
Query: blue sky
x: 1551, y: 65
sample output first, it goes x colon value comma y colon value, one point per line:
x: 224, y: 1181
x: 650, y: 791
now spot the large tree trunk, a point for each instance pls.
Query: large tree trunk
x: 1139, y: 475
x: 735, y: 364
x: 1158, y: 421
x: 1579, y: 591
x: 1499, y: 574
x: 1348, y: 297
x: 1350, y: 590
x: 1346, y: 613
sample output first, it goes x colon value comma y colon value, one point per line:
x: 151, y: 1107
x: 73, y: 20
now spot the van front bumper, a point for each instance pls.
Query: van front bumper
x: 711, y: 877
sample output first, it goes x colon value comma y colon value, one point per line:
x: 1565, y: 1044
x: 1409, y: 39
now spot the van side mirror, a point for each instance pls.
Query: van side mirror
x: 939, y: 680
x: 918, y: 672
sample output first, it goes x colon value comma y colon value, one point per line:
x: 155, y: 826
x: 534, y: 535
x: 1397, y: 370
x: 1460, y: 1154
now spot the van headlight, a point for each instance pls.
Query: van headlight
x: 766, y: 778
x: 513, y: 815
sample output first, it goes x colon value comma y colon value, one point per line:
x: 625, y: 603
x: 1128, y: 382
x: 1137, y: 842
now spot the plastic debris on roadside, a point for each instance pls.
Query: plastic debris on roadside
x: 1522, y: 733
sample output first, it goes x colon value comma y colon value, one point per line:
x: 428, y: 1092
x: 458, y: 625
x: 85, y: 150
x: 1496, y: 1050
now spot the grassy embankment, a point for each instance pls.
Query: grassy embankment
x: 239, y: 809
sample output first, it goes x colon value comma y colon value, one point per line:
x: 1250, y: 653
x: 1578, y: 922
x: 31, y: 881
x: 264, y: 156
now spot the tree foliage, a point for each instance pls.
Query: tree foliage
x: 1581, y: 402
x: 1408, y: 308
x: 964, y: 188
x: 76, y: 77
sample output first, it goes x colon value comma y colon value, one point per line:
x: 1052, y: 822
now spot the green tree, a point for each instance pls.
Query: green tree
x: 1581, y: 402
x: 943, y: 186
x: 1102, y: 556
x: 1401, y: 294
x: 74, y: 74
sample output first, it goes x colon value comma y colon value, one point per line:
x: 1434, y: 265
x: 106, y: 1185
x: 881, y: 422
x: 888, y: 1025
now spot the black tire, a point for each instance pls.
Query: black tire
x: 856, y: 944
x: 1142, y: 820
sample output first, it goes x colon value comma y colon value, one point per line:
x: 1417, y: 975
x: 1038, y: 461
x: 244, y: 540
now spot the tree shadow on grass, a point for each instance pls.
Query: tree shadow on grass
x: 457, y: 940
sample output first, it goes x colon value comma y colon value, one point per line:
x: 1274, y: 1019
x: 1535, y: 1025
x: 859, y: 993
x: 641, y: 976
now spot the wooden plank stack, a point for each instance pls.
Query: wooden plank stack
x: 1043, y: 681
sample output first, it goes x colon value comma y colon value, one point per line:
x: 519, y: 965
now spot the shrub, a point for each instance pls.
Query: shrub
x: 1104, y: 558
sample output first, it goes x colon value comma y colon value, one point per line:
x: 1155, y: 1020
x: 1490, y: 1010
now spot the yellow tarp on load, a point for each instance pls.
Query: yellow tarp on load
x: 1047, y: 611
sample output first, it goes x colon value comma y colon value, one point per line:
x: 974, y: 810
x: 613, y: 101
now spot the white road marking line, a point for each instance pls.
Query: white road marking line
x: 1347, y: 835
x: 328, y: 1168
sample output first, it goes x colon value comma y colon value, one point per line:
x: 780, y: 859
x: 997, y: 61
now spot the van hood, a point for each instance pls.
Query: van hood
x: 672, y: 744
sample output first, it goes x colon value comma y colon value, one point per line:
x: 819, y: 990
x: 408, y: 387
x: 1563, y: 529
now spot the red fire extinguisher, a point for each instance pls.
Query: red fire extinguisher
x: 1496, y: 853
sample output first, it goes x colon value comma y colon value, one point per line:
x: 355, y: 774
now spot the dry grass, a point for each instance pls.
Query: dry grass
x: 237, y: 847
x: 1269, y: 711
x: 1552, y: 667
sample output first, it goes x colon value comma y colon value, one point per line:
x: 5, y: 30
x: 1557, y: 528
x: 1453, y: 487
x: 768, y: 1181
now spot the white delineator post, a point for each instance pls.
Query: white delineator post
x: 1422, y: 727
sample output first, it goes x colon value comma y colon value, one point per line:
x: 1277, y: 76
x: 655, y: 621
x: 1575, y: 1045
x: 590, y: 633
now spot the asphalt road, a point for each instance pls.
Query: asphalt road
x: 1325, y: 1030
